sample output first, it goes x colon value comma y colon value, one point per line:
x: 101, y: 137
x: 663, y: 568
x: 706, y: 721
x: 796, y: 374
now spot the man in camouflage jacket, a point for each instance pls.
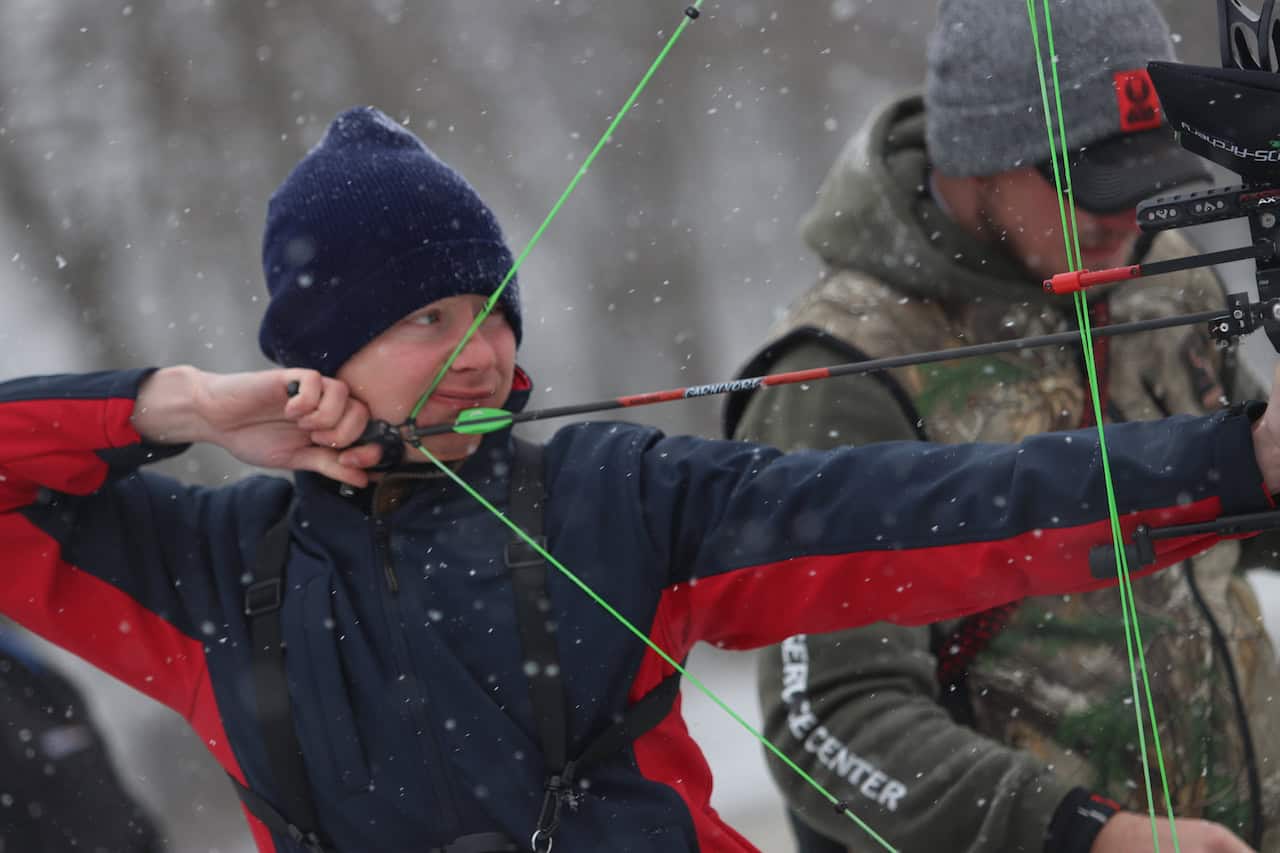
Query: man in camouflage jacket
x: 1015, y: 730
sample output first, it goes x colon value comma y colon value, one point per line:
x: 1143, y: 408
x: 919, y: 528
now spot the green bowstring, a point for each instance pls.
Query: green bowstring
x: 490, y: 304
x: 1128, y: 604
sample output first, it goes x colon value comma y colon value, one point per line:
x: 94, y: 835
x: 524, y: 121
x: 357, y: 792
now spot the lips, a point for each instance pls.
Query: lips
x: 462, y: 399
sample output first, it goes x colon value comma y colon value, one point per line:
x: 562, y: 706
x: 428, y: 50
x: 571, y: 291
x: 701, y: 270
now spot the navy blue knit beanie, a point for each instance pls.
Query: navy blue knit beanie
x: 368, y: 228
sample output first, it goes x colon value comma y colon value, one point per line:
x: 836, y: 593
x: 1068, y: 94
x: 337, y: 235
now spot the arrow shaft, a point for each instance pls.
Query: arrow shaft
x: 819, y: 373
x: 1070, y: 282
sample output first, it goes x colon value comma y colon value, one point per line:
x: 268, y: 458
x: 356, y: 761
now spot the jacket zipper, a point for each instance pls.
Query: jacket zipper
x: 382, y: 535
x: 403, y: 663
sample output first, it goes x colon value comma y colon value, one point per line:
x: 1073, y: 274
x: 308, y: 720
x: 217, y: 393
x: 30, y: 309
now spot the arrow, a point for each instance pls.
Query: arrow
x: 1071, y: 282
x: 485, y: 420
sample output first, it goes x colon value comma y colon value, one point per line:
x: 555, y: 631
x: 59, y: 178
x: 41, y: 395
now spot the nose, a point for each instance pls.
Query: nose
x: 478, y: 354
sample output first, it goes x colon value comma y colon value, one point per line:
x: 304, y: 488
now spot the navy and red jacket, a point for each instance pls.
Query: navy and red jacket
x: 412, y: 706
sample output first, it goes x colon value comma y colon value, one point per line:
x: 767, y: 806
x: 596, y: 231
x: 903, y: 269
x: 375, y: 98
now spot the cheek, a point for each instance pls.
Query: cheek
x: 503, y: 342
x: 394, y: 373
x: 1042, y: 234
x: 409, y: 355
x: 1027, y: 223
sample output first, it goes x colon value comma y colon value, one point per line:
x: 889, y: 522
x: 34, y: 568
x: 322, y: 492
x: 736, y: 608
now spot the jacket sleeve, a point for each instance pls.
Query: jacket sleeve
x: 858, y: 710
x: 95, y: 553
x: 760, y: 545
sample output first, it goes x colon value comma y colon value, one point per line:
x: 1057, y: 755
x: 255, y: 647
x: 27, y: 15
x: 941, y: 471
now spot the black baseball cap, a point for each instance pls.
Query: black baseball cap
x: 1115, y: 174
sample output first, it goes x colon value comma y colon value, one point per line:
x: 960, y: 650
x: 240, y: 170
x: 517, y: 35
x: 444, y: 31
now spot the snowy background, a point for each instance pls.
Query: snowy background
x: 139, y: 142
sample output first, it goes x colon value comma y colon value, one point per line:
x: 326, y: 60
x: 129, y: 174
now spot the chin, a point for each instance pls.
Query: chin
x: 455, y: 449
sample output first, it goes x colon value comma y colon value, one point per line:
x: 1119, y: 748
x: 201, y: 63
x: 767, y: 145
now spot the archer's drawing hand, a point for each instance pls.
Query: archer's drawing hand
x: 1266, y: 437
x: 1130, y: 832
x: 255, y: 418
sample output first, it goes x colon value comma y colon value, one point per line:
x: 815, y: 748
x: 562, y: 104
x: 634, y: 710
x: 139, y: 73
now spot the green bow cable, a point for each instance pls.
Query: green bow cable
x: 1128, y: 605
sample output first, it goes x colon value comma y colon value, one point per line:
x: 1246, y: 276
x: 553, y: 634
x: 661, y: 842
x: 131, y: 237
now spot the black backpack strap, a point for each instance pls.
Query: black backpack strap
x: 538, y: 642
x: 262, y: 601
x: 533, y: 606
x: 276, y: 822
x: 638, y: 719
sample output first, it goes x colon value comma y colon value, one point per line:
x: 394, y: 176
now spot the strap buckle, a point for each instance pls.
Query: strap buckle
x: 559, y: 791
x: 263, y: 597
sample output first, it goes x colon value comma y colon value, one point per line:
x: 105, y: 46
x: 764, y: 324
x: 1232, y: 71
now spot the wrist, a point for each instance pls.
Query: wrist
x: 167, y: 408
x: 1266, y: 449
x: 1077, y: 821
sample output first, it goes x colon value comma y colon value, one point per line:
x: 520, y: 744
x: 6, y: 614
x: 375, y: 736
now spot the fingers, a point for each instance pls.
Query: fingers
x: 310, y: 387
x: 349, y: 427
x: 329, y: 408
x: 324, y: 460
x: 324, y: 409
x: 364, y: 456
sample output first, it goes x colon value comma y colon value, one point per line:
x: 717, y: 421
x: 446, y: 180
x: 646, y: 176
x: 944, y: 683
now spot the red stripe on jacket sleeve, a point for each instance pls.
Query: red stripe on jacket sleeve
x: 98, y: 622
x: 764, y: 604
x: 57, y: 425
x: 667, y: 753
x: 53, y: 443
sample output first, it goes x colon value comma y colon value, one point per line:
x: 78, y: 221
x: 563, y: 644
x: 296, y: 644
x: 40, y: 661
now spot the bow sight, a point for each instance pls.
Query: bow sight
x: 1229, y: 116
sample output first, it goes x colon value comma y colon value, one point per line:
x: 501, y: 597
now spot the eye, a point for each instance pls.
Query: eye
x: 427, y: 318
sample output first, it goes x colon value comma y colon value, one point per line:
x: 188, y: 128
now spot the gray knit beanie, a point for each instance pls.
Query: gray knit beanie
x: 983, y: 107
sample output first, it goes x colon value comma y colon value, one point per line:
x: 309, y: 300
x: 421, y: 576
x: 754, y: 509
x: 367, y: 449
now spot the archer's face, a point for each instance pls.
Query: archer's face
x: 1020, y: 208
x: 393, y: 370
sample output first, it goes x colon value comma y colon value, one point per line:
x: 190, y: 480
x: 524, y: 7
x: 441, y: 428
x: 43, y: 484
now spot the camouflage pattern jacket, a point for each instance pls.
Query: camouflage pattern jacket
x: 1048, y: 703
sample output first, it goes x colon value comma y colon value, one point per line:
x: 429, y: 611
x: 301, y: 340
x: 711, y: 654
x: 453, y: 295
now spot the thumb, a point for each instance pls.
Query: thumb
x: 324, y: 460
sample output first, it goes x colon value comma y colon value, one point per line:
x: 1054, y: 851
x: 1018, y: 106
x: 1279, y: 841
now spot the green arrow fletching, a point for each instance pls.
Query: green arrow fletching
x: 489, y: 420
